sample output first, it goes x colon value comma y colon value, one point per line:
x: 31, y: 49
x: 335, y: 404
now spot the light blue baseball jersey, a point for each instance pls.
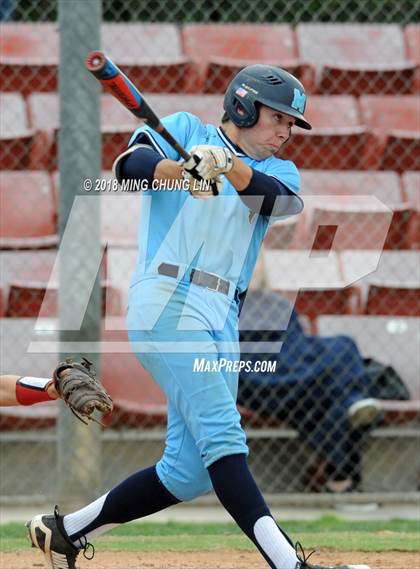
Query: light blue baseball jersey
x: 217, y: 235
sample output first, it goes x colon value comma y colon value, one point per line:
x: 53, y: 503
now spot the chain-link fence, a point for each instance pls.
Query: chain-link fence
x: 342, y: 403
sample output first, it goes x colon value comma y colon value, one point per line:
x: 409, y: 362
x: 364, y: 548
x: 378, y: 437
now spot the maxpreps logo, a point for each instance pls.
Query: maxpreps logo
x: 299, y: 100
x: 203, y: 365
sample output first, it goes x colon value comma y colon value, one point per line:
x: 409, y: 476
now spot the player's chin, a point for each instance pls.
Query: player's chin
x: 263, y: 153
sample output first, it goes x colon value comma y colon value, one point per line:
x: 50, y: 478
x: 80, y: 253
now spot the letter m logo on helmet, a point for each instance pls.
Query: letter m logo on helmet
x: 299, y: 100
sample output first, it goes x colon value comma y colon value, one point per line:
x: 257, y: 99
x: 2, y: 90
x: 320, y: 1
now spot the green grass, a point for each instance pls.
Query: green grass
x: 329, y: 532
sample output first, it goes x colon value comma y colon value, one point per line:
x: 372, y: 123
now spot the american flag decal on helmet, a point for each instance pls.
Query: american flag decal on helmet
x: 241, y: 92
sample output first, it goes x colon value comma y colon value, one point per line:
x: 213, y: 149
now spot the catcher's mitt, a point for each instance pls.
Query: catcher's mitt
x: 80, y: 389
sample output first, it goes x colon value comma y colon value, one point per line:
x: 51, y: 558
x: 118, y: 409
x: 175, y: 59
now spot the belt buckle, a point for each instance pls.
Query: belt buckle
x: 216, y: 287
x: 196, y: 278
x: 220, y: 287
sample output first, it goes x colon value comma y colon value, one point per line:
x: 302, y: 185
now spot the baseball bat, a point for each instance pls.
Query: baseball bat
x: 120, y: 86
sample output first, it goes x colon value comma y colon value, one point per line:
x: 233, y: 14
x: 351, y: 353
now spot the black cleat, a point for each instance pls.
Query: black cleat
x: 304, y: 564
x: 47, y: 533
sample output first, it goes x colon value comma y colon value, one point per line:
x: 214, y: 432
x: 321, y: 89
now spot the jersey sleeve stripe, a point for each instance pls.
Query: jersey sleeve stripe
x: 153, y: 142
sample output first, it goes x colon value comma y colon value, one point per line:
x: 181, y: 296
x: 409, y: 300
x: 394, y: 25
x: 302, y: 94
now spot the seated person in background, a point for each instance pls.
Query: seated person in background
x: 320, y: 386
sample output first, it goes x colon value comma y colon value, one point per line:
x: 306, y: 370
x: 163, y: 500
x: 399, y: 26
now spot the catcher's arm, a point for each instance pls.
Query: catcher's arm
x: 18, y: 390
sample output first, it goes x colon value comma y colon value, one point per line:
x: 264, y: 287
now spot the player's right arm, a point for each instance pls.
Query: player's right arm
x: 149, y: 157
x: 145, y: 163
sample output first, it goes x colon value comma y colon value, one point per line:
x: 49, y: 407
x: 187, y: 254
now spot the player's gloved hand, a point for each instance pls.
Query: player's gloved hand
x: 212, y: 160
x: 80, y: 390
x: 198, y: 186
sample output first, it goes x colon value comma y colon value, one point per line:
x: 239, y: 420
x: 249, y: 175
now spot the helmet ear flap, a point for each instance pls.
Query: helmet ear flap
x: 243, y: 113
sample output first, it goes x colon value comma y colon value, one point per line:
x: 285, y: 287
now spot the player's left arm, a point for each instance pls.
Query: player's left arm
x: 275, y: 189
x: 269, y: 193
x: 150, y: 157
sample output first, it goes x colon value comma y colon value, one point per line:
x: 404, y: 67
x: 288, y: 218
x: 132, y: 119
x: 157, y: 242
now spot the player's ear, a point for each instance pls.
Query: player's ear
x: 240, y: 110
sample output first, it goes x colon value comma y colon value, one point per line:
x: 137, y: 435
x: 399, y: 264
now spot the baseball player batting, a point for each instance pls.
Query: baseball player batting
x: 196, y: 258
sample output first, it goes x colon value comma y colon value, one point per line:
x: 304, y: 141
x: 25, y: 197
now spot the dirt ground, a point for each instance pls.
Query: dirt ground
x: 228, y: 559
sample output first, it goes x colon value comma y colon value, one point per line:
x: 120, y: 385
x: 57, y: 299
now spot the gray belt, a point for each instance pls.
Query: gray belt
x: 200, y: 278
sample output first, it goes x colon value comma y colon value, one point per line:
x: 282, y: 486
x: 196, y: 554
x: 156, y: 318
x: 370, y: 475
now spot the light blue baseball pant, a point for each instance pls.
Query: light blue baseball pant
x: 168, y: 333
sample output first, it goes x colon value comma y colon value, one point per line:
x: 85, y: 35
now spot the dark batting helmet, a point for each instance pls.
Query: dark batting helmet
x: 269, y: 86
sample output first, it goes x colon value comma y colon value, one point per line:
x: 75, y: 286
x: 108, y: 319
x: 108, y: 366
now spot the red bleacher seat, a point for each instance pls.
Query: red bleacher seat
x: 30, y: 299
x: 411, y: 189
x: 26, y: 299
x: 333, y: 197
x: 342, y: 226
x: 315, y: 285
x: 39, y: 416
x: 381, y: 267
x: 337, y: 139
x: 138, y: 400
x: 44, y: 117
x: 28, y: 216
x: 390, y: 284
x: 287, y: 233
x: 26, y: 266
x: 117, y: 124
x: 16, y: 139
x: 209, y: 108
x: 120, y: 213
x: 412, y: 42
x: 390, y: 340
x: 29, y: 56
x: 219, y: 51
x: 394, y: 122
x: 396, y: 300
x: 412, y: 46
x: 382, y: 185
x: 149, y: 53
x: 17, y: 334
x: 356, y: 58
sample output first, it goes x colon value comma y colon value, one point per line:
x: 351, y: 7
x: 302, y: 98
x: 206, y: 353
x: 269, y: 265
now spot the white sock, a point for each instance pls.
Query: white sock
x: 75, y: 522
x: 274, y: 544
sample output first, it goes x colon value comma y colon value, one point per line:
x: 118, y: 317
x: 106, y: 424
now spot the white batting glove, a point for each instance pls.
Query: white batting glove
x: 212, y: 160
x: 201, y: 188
